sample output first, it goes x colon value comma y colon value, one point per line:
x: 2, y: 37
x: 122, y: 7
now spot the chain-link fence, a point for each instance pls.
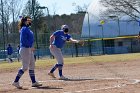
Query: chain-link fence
x: 91, y: 47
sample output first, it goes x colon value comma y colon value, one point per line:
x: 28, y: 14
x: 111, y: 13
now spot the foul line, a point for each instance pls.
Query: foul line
x: 117, y: 86
x: 134, y: 81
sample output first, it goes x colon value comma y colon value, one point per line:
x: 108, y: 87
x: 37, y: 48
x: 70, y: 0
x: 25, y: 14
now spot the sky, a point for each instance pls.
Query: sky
x: 63, y: 6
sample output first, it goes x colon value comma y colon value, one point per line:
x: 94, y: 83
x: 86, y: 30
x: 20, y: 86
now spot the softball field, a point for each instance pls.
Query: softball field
x: 94, y: 74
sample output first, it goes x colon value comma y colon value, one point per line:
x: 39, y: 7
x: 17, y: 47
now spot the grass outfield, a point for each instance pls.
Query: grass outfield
x: 42, y: 63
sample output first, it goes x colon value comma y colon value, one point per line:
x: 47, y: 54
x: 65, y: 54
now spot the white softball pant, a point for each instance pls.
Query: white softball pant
x: 56, y: 52
x: 27, y: 58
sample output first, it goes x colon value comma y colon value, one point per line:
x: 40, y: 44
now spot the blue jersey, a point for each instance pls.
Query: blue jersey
x: 9, y: 50
x: 60, y: 38
x: 26, y: 37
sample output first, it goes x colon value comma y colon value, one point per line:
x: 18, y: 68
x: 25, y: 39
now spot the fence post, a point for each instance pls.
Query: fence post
x: 76, y: 49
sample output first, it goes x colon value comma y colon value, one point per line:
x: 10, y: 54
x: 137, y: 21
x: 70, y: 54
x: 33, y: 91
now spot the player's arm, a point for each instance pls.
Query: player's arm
x: 81, y: 42
x: 52, y: 37
x: 74, y: 40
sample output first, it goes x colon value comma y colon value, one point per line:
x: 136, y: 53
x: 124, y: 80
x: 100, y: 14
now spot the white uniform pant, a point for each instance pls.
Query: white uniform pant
x: 56, y: 52
x: 27, y: 58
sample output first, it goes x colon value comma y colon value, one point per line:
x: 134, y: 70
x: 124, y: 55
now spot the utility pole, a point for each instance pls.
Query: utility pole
x: 118, y: 23
x: 44, y: 7
x: 3, y: 30
x: 13, y: 16
x: 90, y: 52
x: 101, y: 25
x: 34, y: 21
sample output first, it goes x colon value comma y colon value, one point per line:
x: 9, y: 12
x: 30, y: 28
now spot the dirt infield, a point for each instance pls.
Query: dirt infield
x: 111, y: 77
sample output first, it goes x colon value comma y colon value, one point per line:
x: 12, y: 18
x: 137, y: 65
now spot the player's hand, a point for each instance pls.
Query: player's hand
x: 138, y: 36
x: 33, y: 49
x: 52, y: 46
x: 82, y: 42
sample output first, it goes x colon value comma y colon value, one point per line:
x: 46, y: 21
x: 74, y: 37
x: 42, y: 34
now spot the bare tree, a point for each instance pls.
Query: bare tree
x: 11, y: 11
x: 28, y: 10
x: 3, y: 29
x: 15, y: 9
x: 55, y: 8
x: 122, y: 7
x: 79, y: 8
x: 38, y: 13
x: 6, y: 14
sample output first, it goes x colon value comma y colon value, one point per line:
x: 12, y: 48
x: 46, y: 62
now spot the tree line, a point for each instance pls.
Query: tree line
x: 11, y: 10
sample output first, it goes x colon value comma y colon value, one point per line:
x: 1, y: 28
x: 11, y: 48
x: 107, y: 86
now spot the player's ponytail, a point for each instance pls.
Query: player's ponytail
x: 22, y: 22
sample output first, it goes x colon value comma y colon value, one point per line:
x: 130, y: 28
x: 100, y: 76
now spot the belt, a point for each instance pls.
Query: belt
x: 26, y: 47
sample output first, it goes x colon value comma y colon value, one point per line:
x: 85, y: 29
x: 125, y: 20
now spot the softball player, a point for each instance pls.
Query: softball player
x: 26, y: 52
x: 9, y: 53
x: 57, y: 40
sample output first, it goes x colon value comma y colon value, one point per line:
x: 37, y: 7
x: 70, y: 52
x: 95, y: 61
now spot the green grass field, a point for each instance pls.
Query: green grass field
x: 42, y: 63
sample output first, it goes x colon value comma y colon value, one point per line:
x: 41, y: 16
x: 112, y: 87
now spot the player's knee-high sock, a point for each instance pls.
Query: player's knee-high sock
x: 60, y: 69
x: 54, y: 68
x: 32, y: 75
x: 60, y: 73
x: 20, y: 73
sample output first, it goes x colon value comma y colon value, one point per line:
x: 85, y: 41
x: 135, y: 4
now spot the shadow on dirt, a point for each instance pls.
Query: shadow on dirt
x: 47, y: 87
x: 78, y: 79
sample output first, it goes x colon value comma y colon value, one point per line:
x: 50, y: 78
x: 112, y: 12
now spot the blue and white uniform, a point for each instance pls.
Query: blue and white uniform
x: 26, y: 44
x: 26, y: 53
x: 58, y: 43
x: 59, y: 38
x: 9, y: 53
